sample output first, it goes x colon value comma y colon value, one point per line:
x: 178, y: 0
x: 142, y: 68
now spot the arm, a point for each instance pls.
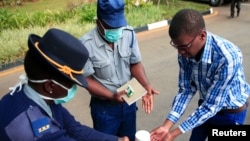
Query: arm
x: 82, y: 132
x: 173, y: 134
x: 185, y: 93
x: 216, y: 96
x: 138, y: 71
x: 220, y: 80
x: 99, y: 90
x: 162, y: 131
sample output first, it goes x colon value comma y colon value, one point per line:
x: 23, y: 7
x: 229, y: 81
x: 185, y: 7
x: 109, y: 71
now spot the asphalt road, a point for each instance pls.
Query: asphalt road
x: 159, y: 59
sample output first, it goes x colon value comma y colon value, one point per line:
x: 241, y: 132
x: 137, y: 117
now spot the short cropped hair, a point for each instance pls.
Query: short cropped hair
x: 186, y: 21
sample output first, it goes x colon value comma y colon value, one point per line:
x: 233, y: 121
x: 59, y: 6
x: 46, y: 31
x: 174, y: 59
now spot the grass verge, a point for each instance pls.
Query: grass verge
x: 13, y: 42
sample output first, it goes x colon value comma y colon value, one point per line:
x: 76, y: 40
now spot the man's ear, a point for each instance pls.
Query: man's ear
x: 203, y: 35
x: 48, y: 86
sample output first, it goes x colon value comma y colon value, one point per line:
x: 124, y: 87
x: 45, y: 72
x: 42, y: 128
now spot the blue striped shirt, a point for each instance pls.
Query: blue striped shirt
x: 218, y: 77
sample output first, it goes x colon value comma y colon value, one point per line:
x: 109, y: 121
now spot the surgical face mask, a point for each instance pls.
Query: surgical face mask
x: 112, y: 35
x: 70, y: 95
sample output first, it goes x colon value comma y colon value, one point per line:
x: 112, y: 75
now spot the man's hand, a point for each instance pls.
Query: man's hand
x: 163, y: 133
x: 118, y: 96
x: 148, y: 99
x: 169, y: 137
x: 158, y: 133
x: 123, y: 139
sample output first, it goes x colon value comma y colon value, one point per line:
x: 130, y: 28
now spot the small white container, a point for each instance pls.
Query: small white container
x: 142, y: 135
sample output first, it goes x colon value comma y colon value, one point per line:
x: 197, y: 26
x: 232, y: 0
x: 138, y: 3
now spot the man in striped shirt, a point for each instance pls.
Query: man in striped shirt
x: 210, y: 66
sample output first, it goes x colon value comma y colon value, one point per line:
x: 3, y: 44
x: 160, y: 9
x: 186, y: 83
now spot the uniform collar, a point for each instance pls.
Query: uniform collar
x: 32, y: 94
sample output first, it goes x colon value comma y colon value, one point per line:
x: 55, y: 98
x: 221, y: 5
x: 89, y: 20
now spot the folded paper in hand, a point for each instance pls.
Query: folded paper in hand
x: 134, y: 91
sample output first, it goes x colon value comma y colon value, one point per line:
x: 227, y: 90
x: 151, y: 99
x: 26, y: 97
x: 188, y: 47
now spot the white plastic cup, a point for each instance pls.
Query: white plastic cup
x: 142, y: 135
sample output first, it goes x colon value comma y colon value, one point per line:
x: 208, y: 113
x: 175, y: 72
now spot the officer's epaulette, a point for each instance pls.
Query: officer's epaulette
x: 130, y: 28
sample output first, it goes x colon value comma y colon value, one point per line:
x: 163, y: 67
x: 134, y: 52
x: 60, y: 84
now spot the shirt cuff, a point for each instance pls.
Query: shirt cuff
x: 185, y: 127
x: 173, y: 116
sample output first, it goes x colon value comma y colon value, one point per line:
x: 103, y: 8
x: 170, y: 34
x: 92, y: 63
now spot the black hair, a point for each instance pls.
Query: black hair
x: 186, y: 21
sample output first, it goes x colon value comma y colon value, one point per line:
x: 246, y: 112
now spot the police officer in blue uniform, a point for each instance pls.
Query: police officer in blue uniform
x: 114, y: 60
x: 33, y: 109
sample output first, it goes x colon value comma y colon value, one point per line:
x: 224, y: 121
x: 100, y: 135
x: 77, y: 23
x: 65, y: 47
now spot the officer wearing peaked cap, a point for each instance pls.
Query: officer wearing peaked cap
x: 113, y: 61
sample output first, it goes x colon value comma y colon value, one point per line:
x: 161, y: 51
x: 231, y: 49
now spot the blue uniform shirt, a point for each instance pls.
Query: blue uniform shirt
x: 111, y: 67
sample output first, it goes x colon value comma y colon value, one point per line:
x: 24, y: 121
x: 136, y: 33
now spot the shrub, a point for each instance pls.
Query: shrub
x: 77, y: 19
x: 4, y: 19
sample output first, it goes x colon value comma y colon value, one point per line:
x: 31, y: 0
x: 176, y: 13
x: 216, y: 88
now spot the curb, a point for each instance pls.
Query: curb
x: 163, y: 23
x: 11, y: 65
x: 147, y: 27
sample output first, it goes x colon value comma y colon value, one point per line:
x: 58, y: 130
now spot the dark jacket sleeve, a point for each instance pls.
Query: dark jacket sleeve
x: 81, y: 132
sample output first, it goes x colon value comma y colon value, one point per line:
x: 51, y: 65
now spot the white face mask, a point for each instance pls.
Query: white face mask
x: 70, y: 95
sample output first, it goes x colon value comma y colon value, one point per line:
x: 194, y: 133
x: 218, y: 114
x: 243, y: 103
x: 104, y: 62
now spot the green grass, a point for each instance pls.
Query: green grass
x: 41, y: 5
x: 13, y: 42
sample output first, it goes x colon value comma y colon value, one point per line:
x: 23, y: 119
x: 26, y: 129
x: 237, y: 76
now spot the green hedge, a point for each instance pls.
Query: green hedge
x: 78, y: 19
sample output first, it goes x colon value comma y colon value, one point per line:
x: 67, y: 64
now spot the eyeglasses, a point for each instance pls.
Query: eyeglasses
x: 183, y: 47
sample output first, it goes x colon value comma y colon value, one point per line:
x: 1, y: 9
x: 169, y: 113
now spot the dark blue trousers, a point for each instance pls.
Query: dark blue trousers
x: 235, y: 3
x: 114, y: 118
x: 201, y: 132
